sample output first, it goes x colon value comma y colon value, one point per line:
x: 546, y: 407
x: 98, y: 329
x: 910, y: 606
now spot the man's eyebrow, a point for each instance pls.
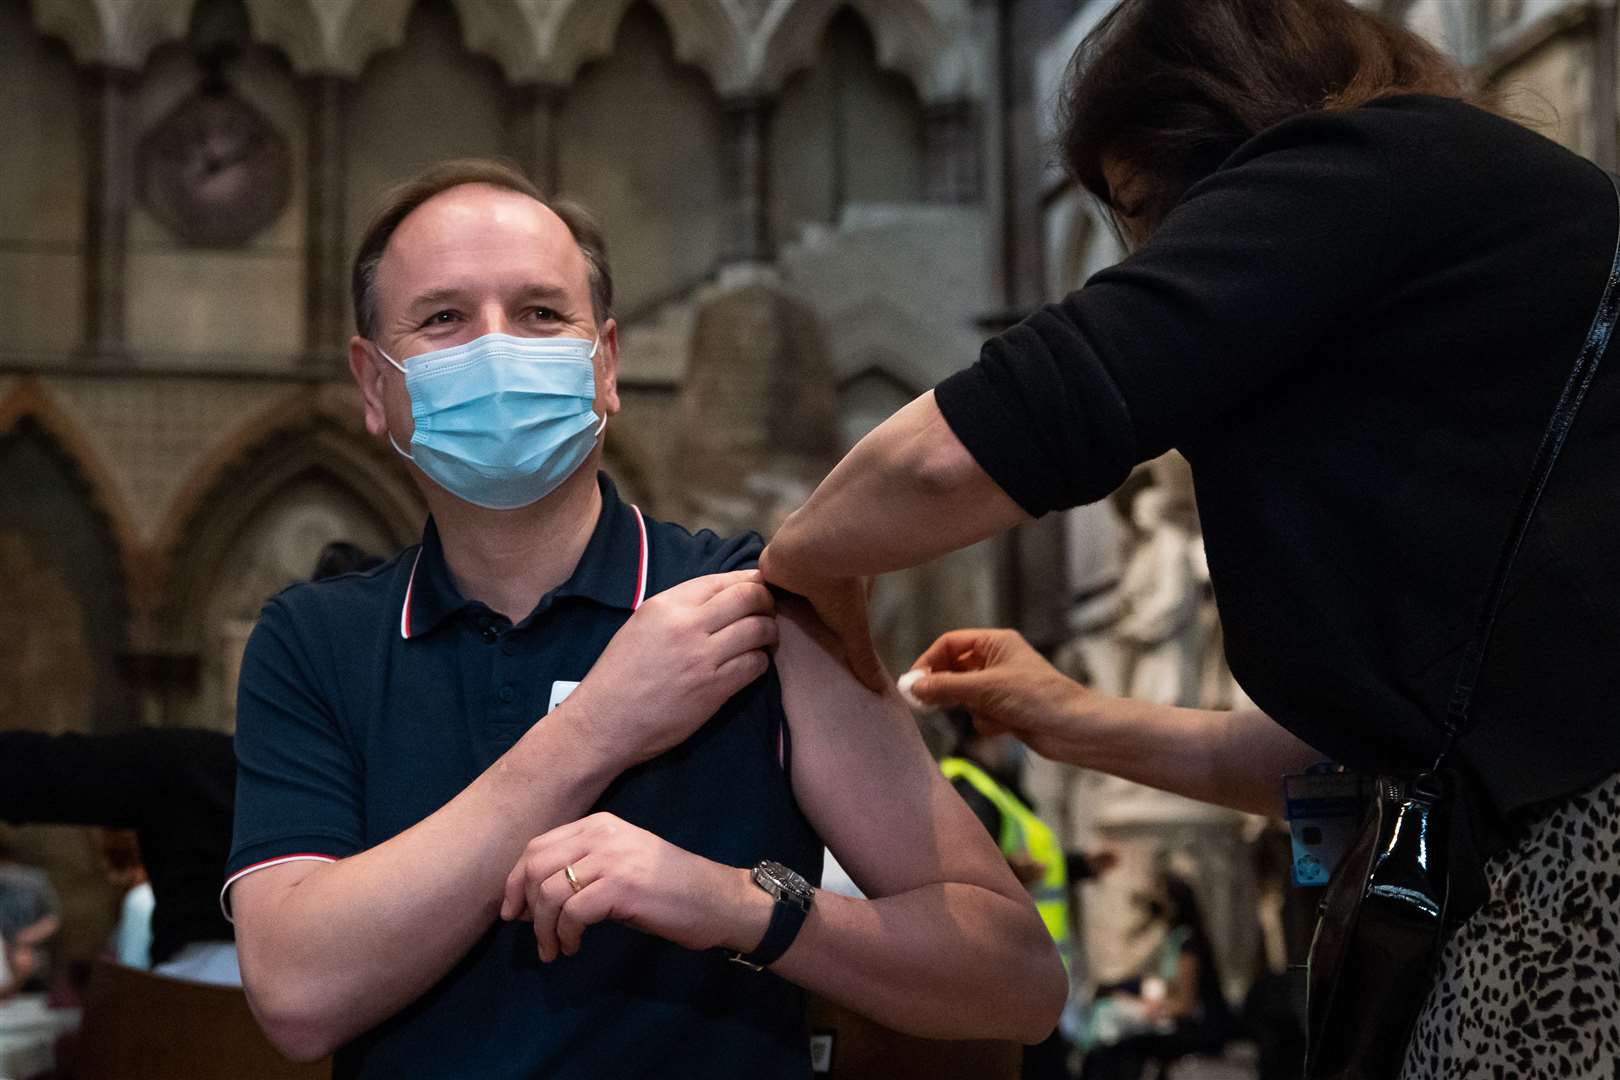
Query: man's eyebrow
x: 451, y: 293
x: 435, y: 296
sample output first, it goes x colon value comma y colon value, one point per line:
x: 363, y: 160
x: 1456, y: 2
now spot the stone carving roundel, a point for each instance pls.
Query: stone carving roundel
x: 214, y: 170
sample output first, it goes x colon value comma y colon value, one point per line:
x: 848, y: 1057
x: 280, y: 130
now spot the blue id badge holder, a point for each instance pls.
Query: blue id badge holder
x: 1324, y: 807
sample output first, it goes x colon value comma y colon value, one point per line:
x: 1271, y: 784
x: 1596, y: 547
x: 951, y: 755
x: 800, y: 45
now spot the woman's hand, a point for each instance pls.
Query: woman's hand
x: 1007, y: 686
x: 626, y: 874
x: 841, y: 605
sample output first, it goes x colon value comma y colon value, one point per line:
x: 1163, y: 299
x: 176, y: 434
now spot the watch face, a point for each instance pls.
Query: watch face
x: 789, y: 883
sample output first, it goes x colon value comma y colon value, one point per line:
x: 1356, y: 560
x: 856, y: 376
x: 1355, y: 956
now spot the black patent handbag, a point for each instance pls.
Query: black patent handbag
x: 1383, y: 917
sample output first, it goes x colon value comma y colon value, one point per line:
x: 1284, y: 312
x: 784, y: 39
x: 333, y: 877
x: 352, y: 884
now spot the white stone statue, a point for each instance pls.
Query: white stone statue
x: 1161, y: 596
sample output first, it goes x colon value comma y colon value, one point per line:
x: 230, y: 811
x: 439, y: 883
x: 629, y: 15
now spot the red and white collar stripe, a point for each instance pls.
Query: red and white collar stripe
x: 641, y: 562
x: 405, y: 608
x: 635, y: 603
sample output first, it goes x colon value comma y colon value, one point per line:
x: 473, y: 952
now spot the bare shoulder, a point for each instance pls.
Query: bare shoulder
x: 810, y: 663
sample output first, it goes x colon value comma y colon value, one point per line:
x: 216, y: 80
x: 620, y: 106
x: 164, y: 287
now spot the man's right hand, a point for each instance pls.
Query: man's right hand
x: 679, y: 658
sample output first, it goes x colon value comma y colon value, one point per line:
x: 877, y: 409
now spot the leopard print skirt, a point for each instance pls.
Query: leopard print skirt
x: 1530, y: 985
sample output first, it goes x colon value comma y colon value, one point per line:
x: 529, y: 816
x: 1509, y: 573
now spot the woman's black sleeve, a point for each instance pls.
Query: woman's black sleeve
x: 1260, y: 264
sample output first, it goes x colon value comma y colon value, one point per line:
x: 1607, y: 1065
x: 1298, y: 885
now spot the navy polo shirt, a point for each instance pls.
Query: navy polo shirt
x: 368, y: 701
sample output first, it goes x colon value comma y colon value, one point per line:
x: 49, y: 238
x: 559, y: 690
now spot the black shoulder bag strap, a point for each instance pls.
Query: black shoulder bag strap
x: 1372, y: 959
x: 1457, y: 719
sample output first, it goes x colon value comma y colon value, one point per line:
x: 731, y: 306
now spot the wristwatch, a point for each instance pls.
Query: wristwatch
x: 793, y: 896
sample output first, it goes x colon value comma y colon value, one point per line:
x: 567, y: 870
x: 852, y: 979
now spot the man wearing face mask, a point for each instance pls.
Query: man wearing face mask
x: 513, y: 803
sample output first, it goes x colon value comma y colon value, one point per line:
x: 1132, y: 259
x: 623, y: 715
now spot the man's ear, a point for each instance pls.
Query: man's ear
x: 367, y: 367
x: 607, y: 388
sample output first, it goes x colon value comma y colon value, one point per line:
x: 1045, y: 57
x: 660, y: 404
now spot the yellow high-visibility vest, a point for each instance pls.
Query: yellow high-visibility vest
x: 1022, y: 833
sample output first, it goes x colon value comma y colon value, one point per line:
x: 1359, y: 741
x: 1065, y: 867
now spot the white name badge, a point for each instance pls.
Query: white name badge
x: 821, y: 1053
x: 559, y: 692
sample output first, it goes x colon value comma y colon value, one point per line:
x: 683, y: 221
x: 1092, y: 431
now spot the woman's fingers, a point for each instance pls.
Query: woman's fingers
x: 861, y: 655
x: 998, y: 677
x: 948, y: 689
x: 840, y: 605
x: 958, y: 650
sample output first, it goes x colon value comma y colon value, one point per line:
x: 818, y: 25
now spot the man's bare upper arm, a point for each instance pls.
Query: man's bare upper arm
x: 865, y: 780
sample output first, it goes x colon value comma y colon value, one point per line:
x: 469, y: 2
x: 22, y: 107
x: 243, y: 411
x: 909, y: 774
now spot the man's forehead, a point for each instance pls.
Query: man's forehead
x: 473, y: 223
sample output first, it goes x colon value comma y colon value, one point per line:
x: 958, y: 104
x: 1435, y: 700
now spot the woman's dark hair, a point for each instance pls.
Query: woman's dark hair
x: 1168, y: 89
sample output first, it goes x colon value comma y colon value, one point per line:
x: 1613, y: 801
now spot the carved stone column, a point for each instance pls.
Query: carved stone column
x: 955, y: 172
x: 110, y: 174
x: 325, y: 223
x: 532, y: 136
x: 748, y: 181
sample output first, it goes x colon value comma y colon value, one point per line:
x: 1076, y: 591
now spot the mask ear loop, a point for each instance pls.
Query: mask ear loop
x: 401, y: 368
x: 603, y: 425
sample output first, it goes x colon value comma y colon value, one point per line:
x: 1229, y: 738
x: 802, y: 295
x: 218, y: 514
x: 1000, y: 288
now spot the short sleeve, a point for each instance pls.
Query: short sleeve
x: 1258, y: 267
x: 299, y: 788
x: 740, y: 552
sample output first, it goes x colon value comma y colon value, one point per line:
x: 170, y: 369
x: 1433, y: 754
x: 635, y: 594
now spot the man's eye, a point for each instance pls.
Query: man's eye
x: 545, y: 314
x: 440, y: 318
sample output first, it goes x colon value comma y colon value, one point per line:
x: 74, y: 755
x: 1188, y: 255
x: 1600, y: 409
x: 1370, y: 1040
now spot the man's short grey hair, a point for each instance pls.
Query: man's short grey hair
x: 399, y: 201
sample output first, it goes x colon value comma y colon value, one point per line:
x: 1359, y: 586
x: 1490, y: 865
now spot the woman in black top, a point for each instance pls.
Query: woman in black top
x: 1353, y: 302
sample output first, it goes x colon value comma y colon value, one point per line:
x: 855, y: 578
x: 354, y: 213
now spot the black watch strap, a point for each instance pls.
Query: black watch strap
x: 787, y: 918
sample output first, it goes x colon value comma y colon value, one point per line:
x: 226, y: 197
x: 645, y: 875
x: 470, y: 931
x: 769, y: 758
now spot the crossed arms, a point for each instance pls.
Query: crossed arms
x: 950, y: 944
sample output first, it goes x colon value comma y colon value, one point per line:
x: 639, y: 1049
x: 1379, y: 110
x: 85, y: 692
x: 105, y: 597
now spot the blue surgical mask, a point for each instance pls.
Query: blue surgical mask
x: 502, y: 420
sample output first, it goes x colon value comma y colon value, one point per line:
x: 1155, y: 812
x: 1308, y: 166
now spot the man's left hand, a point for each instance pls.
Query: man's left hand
x: 626, y: 874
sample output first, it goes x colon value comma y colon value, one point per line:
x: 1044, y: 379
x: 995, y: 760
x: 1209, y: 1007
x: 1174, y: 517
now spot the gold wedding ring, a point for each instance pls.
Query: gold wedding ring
x: 573, y: 882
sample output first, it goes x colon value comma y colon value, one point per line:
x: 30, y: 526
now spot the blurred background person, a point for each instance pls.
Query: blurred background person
x: 1174, y: 1006
x: 29, y: 916
x: 131, y: 942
